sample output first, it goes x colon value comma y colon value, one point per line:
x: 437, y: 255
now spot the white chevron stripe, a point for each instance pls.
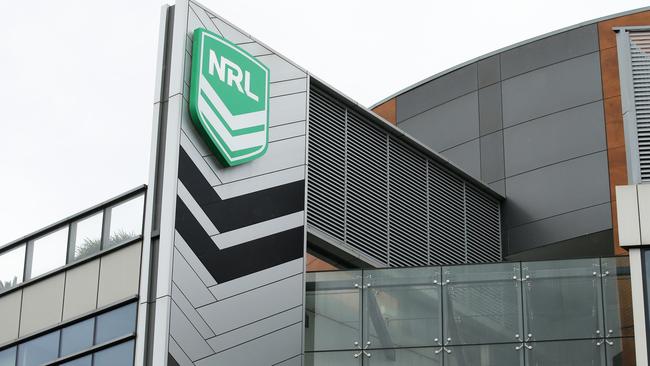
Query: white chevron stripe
x: 259, y: 230
x: 257, y: 279
x: 258, y: 183
x: 193, y: 260
x: 197, y: 211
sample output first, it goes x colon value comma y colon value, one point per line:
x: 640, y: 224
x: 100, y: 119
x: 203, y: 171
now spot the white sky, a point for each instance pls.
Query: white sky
x: 76, y: 77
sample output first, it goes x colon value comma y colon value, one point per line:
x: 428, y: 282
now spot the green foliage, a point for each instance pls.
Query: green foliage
x: 92, y: 245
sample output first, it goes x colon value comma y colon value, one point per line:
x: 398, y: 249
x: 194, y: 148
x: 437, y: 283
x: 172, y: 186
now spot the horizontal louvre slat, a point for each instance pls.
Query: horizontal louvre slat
x: 640, y: 52
x: 377, y: 195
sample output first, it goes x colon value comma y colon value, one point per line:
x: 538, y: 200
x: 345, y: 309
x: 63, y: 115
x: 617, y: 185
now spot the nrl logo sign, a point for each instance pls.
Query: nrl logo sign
x: 229, y: 99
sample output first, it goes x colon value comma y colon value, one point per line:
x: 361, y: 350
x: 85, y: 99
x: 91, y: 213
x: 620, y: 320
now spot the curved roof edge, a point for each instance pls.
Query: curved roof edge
x: 512, y: 46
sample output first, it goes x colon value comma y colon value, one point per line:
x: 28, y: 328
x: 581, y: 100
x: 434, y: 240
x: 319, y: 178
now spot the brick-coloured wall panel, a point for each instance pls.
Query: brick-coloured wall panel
x: 387, y: 110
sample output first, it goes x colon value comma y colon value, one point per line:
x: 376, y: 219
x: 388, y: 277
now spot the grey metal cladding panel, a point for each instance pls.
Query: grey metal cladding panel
x: 556, y: 48
x: 257, y: 329
x: 558, y: 228
x: 447, y: 125
x: 551, y: 89
x: 270, y: 349
x: 190, y: 312
x: 492, y: 167
x: 187, y: 337
x: 436, y: 92
x: 561, y: 136
x: 557, y: 189
x: 467, y: 157
x: 499, y: 186
x: 489, y: 71
x: 245, y: 308
x: 489, y: 109
x: 190, y: 283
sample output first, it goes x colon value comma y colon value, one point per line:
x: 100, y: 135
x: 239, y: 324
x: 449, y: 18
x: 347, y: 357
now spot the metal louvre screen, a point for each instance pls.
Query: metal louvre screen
x: 379, y: 196
x: 640, y: 57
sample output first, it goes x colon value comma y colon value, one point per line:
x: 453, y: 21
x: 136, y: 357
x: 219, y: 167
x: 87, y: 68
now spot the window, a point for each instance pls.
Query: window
x: 120, y: 355
x: 86, y: 237
x: 11, y: 268
x: 125, y: 221
x: 105, y: 332
x: 8, y: 357
x: 77, y: 337
x: 39, y: 351
x: 115, y: 324
x: 48, y: 252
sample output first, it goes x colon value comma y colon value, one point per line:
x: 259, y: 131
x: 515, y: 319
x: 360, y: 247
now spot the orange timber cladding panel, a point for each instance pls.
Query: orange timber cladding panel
x: 387, y: 110
x: 616, y: 157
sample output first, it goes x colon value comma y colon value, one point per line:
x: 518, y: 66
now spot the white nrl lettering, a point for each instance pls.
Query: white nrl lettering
x: 233, y: 73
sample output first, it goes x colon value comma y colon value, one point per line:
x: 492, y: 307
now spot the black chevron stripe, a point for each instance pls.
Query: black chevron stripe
x: 240, y: 260
x: 244, y: 210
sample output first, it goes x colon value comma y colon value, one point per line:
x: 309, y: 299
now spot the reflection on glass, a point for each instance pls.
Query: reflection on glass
x: 120, y: 355
x: 401, y: 307
x: 621, y: 352
x: 87, y: 237
x: 403, y: 357
x: 126, y: 221
x: 344, y: 358
x: 563, y: 299
x: 333, y: 310
x: 39, y: 351
x: 77, y: 337
x: 115, y: 324
x: 8, y: 357
x: 482, y: 303
x: 49, y: 252
x: 617, y: 296
x: 83, y: 361
x: 566, y: 353
x: 485, y: 355
x: 12, y: 263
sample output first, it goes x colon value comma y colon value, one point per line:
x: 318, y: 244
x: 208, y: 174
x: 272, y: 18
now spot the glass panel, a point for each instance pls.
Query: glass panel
x: 120, y: 355
x: 49, y: 252
x: 401, y: 307
x: 485, y: 355
x: 621, y: 352
x: 566, y: 353
x: 482, y: 303
x: 83, y: 361
x: 12, y: 263
x: 88, y: 237
x: 77, y: 337
x: 562, y: 299
x: 403, y: 357
x: 345, y: 358
x: 39, y: 351
x: 126, y: 221
x: 8, y: 357
x: 617, y: 296
x: 115, y: 324
x: 332, y: 305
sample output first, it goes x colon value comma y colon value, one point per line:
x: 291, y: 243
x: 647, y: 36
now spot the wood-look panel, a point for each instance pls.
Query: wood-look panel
x: 315, y: 264
x: 387, y: 110
x: 616, y: 157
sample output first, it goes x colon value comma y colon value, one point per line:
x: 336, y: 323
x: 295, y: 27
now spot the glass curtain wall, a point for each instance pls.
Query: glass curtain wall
x: 569, y: 312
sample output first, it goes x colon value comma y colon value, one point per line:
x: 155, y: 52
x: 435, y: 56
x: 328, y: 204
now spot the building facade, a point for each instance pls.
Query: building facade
x: 285, y: 224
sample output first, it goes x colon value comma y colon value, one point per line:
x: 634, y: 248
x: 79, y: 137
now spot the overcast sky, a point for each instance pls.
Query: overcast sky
x: 76, y: 77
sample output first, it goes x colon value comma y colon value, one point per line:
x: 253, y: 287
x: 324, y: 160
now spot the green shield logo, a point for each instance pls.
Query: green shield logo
x: 229, y: 99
